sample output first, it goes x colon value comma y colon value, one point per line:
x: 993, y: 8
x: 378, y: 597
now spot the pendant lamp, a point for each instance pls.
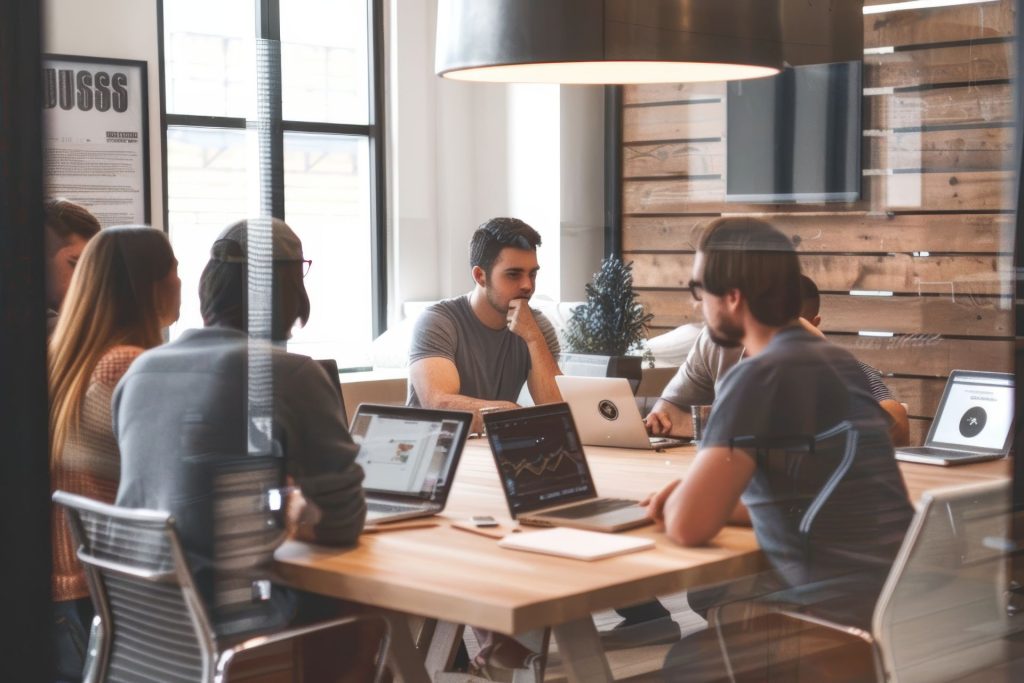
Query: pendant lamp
x: 608, y: 41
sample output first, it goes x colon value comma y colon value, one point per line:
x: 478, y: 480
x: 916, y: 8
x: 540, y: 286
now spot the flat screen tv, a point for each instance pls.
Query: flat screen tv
x: 795, y: 137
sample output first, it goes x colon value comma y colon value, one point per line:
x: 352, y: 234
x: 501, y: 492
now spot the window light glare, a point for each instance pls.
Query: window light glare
x: 872, y: 333
x: 869, y: 292
x: 595, y: 73
x: 919, y: 4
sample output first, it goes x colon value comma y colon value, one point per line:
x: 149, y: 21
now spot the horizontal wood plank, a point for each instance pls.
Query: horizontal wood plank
x: 673, y: 122
x: 966, y: 191
x: 975, y: 104
x: 968, y: 316
x: 681, y: 158
x: 959, y: 276
x: 921, y: 395
x: 939, y: 25
x: 672, y: 92
x: 933, y: 66
x: 972, y: 149
x: 927, y: 355
x: 836, y: 232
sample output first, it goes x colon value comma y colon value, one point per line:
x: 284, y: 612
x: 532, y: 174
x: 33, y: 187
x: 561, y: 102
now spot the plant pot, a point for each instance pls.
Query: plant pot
x: 593, y: 365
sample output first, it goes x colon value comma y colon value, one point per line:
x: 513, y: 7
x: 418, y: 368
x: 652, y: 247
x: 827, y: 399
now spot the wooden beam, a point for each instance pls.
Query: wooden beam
x: 939, y: 25
x: 932, y: 66
x: 958, y: 276
x: 921, y: 395
x: 840, y: 233
x: 967, y: 316
x: 972, y: 149
x: 672, y: 92
x: 682, y: 158
x: 985, y: 103
x: 673, y: 122
x: 928, y: 356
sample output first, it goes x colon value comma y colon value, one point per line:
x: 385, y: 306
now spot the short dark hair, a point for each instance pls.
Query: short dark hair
x: 64, y: 218
x: 752, y: 256
x: 496, y: 234
x: 223, y: 291
x: 810, y: 298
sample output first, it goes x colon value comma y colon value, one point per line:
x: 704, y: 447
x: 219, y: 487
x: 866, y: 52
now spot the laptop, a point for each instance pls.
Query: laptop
x: 973, y: 422
x: 409, y: 457
x: 606, y: 413
x: 544, y: 472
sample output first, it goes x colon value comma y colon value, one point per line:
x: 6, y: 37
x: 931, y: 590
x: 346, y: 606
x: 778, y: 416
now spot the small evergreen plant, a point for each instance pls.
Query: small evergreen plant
x: 611, y: 322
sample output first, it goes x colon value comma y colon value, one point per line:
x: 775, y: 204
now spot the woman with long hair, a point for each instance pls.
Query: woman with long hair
x: 124, y: 291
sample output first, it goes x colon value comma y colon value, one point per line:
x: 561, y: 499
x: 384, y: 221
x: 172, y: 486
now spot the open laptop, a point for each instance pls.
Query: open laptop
x: 606, y: 413
x: 973, y: 421
x: 409, y: 456
x: 544, y: 472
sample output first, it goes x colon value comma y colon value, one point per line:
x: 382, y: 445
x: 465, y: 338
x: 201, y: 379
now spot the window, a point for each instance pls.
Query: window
x: 320, y: 97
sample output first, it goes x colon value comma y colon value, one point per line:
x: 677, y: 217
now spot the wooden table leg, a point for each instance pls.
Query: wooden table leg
x: 405, y: 662
x: 582, y: 653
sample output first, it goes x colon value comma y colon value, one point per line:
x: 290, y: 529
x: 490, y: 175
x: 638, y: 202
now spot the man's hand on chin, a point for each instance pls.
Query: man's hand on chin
x: 521, y: 321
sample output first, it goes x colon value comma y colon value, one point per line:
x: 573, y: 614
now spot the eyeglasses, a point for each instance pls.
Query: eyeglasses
x: 307, y: 263
x: 697, y: 289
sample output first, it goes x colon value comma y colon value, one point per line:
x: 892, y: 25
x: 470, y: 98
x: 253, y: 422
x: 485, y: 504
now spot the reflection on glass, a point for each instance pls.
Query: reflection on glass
x: 328, y: 205
x: 324, y: 62
x: 207, y: 186
x: 209, y: 56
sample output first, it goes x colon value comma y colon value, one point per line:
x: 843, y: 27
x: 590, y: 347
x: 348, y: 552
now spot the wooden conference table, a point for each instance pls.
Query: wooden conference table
x: 456, y: 577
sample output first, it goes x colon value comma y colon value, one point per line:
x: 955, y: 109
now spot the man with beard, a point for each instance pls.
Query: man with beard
x: 475, y: 351
x: 706, y: 364
x: 747, y: 277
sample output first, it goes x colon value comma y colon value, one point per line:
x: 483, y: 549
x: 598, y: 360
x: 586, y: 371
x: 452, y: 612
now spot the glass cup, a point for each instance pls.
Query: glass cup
x: 484, y: 411
x: 699, y: 414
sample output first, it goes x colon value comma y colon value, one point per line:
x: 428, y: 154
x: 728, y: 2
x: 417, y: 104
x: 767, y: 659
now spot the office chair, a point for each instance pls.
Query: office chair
x: 942, y: 612
x: 154, y: 624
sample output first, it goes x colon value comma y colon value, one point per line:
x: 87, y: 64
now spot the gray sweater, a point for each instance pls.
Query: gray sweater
x: 181, y: 416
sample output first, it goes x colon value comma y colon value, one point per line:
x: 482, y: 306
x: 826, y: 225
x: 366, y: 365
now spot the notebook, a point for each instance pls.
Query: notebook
x: 973, y: 422
x: 606, y: 413
x: 545, y: 475
x: 575, y: 543
x: 409, y: 457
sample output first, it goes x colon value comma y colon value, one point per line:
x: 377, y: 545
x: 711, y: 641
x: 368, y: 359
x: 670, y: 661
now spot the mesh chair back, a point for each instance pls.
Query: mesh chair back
x: 943, y: 612
x: 154, y: 626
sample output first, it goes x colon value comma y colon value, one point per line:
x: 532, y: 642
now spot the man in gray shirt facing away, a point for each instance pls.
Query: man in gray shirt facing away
x: 476, y: 351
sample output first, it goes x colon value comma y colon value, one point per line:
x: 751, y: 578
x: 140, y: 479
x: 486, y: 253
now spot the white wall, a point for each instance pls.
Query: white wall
x: 464, y: 152
x: 119, y: 29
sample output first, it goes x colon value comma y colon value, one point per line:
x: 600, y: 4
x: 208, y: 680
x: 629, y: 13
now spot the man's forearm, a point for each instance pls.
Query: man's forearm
x: 467, y: 403
x: 543, y: 370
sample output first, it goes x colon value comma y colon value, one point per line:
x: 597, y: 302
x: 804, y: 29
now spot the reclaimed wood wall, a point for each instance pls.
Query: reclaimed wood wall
x: 933, y: 225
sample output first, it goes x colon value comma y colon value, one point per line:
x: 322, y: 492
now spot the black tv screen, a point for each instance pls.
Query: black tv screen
x: 795, y: 137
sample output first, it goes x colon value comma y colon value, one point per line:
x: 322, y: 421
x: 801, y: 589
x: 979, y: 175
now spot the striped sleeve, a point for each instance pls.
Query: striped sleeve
x: 879, y: 391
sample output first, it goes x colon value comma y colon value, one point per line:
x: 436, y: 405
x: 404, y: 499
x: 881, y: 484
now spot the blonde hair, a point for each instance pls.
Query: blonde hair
x: 113, y: 299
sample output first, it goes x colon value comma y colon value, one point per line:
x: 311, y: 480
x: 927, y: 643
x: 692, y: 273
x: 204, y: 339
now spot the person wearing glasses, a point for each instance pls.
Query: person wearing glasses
x: 698, y: 377
x: 227, y: 403
x: 792, y: 384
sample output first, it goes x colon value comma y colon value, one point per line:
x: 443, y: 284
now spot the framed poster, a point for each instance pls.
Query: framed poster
x: 96, y: 136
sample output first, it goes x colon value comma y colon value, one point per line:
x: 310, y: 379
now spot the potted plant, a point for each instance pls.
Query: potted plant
x: 612, y: 322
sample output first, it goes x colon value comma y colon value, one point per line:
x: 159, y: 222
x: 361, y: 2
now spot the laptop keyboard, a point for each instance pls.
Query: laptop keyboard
x: 594, y: 507
x: 376, y: 506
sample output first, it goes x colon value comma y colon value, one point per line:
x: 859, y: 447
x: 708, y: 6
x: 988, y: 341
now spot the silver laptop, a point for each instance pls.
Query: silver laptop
x: 606, y: 413
x: 544, y: 472
x: 973, y: 422
x: 409, y: 457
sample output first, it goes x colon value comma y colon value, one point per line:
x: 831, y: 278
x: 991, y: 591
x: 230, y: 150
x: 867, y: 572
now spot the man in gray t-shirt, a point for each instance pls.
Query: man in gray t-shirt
x: 477, y: 350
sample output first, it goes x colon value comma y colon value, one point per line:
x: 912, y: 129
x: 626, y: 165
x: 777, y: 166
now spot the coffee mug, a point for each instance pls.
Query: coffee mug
x: 700, y: 420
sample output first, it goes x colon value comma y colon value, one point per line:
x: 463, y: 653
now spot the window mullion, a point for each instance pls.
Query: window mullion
x: 268, y: 107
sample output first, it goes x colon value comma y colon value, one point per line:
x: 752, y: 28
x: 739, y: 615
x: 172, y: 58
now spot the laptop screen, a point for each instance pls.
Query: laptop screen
x: 539, y: 458
x: 976, y: 412
x: 409, y: 451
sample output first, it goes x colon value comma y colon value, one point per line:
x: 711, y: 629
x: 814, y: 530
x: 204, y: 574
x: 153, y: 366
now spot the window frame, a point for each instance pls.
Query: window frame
x: 268, y: 27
